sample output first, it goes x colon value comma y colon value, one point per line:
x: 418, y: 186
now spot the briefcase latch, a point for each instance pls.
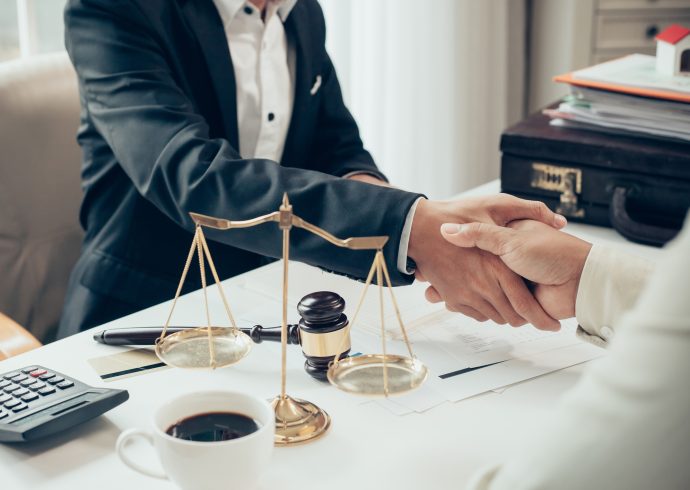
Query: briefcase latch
x: 567, y: 181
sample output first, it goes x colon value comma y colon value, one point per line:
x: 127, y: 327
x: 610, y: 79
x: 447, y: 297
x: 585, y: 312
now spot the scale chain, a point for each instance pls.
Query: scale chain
x: 212, y: 266
x: 346, y: 336
x: 379, y: 280
x: 185, y: 270
x: 397, y: 310
x: 202, y: 270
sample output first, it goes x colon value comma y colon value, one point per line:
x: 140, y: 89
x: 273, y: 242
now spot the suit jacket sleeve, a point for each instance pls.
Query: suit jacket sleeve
x: 163, y: 145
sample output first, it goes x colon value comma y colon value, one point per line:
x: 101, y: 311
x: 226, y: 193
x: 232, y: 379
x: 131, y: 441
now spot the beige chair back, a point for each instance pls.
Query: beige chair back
x: 40, y: 193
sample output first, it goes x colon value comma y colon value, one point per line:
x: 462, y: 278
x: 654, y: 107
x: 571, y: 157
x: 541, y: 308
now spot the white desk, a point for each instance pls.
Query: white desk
x: 367, y: 447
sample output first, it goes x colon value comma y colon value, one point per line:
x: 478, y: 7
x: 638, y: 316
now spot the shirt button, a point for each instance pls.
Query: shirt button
x: 248, y: 10
x: 271, y: 116
x: 606, y: 333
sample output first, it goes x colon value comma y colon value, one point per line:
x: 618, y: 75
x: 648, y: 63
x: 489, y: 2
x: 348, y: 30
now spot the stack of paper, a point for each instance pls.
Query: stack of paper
x: 626, y: 96
x: 305, y: 279
x: 465, y: 357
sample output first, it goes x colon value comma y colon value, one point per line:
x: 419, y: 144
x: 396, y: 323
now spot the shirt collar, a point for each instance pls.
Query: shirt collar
x: 285, y: 8
x: 228, y: 9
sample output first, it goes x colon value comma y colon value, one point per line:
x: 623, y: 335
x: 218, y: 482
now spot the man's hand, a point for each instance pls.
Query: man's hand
x: 552, y: 259
x: 472, y: 281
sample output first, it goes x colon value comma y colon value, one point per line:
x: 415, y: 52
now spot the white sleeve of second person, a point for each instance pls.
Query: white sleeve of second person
x: 610, y: 285
x: 625, y: 424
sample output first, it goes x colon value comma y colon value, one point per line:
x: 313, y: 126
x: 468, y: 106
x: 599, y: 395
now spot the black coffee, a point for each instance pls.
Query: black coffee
x: 213, y: 426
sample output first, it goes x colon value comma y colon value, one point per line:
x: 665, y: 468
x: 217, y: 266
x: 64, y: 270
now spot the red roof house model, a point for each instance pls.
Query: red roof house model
x: 673, y: 34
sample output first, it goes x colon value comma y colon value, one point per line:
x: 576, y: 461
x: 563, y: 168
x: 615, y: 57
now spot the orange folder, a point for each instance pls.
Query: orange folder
x: 624, y: 89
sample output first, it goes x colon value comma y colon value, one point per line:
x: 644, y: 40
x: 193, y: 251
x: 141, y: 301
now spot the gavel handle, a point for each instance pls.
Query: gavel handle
x: 262, y: 334
x: 148, y: 335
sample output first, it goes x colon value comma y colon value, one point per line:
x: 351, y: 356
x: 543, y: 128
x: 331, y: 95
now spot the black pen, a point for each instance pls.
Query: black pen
x: 148, y: 335
x: 133, y: 335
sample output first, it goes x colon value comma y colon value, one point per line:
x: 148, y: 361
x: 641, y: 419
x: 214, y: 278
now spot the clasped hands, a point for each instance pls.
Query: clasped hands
x: 499, y: 258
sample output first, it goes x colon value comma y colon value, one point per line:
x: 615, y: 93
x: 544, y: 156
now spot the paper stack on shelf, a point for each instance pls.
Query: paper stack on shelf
x: 626, y: 96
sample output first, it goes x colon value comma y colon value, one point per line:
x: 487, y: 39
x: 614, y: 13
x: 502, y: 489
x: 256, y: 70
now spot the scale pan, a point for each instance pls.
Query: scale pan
x: 191, y: 349
x: 363, y: 375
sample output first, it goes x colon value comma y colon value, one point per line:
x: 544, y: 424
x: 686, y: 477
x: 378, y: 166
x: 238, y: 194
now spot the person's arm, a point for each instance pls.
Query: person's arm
x: 625, y: 425
x: 610, y: 285
x: 596, y: 284
x: 164, y: 146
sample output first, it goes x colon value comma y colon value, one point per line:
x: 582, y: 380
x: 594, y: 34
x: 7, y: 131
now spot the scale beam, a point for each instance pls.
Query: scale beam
x: 224, y: 224
x: 296, y: 420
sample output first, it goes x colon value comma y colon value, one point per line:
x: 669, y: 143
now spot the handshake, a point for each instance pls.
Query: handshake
x: 498, y: 258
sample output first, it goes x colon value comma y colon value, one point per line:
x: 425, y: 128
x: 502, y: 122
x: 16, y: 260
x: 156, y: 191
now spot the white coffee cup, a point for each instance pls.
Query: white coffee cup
x: 193, y: 465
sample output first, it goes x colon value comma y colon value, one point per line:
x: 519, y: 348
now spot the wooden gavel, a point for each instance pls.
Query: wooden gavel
x: 320, y: 332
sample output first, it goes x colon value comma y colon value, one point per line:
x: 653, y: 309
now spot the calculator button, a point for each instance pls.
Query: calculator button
x: 28, y: 382
x: 20, y: 392
x: 19, y: 377
x: 4, y: 383
x: 27, y: 370
x: 4, y: 397
x: 29, y: 397
x: 11, y: 388
x: 46, y: 376
x: 37, y: 386
x: 47, y: 390
x: 3, y: 414
x: 12, y: 375
x: 65, y: 384
x: 12, y: 403
x: 38, y: 372
x: 56, y: 380
x: 20, y: 407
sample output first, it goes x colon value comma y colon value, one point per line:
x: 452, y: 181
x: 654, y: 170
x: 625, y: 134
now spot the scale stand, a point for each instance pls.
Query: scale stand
x: 297, y: 420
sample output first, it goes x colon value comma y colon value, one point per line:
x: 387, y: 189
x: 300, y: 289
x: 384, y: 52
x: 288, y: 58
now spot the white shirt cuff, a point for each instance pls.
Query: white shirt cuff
x: 405, y: 239
x: 610, y: 284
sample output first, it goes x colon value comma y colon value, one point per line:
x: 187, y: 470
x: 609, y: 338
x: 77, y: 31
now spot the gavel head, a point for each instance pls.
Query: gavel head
x: 322, y: 331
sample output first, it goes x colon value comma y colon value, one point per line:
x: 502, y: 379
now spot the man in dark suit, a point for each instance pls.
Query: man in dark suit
x: 173, y: 123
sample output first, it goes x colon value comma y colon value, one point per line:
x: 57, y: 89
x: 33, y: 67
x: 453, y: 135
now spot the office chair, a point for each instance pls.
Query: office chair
x: 40, y: 193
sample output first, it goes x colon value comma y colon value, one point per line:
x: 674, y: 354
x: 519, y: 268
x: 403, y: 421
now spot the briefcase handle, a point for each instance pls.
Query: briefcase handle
x: 634, y: 230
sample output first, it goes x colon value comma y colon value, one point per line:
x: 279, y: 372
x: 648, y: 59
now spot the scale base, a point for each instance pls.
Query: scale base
x: 298, y: 421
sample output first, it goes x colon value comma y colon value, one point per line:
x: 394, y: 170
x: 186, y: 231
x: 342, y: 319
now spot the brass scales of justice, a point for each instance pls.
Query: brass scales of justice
x: 211, y: 347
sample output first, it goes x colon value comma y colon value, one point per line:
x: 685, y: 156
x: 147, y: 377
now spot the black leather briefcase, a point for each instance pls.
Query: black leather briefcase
x: 639, y: 186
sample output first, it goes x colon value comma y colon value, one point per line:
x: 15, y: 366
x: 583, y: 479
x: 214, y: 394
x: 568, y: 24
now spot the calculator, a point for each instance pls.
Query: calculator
x: 36, y: 401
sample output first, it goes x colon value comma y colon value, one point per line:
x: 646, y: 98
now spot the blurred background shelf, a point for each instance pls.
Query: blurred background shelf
x: 570, y: 34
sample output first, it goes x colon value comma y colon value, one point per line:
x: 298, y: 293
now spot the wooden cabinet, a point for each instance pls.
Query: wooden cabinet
x: 619, y: 30
x: 565, y: 35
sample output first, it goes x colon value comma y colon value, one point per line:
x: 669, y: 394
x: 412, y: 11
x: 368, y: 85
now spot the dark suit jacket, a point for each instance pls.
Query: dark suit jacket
x: 159, y: 137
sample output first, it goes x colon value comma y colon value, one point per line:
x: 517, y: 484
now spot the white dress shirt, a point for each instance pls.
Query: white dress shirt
x: 264, y: 66
x: 626, y: 425
x: 260, y: 58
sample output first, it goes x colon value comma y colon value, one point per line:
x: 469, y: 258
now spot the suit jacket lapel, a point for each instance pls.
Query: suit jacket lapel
x: 207, y: 26
x: 297, y: 30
